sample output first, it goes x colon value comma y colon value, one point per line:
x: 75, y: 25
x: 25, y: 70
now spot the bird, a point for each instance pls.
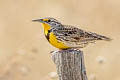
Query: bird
x: 67, y: 36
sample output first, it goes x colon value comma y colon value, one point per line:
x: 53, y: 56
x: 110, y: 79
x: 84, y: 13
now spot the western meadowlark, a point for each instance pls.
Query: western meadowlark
x: 67, y: 36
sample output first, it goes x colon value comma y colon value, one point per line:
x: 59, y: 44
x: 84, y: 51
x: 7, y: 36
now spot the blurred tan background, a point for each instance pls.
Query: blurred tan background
x: 25, y: 53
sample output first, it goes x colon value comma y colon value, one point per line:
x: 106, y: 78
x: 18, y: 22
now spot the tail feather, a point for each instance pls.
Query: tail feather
x: 99, y: 37
x: 104, y: 38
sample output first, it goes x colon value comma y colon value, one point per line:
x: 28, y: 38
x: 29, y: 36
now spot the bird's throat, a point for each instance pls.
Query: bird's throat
x: 46, y: 28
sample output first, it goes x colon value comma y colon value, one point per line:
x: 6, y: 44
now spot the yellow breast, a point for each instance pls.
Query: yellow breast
x: 55, y: 42
x: 52, y: 38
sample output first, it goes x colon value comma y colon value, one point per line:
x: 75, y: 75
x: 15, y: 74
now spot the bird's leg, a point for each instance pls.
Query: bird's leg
x: 77, y: 48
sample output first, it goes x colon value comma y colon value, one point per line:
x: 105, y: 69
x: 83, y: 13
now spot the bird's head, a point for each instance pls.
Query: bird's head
x: 48, y: 20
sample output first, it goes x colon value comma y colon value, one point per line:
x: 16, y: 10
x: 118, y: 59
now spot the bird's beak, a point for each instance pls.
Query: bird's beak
x: 37, y: 20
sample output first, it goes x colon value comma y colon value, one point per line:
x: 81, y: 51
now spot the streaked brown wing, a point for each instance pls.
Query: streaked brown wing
x: 73, y: 34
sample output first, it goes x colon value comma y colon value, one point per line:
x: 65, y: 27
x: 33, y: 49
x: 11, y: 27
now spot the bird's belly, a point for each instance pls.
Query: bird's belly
x: 56, y: 43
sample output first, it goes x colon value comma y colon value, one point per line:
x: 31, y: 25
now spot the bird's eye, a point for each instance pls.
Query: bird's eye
x: 49, y: 20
